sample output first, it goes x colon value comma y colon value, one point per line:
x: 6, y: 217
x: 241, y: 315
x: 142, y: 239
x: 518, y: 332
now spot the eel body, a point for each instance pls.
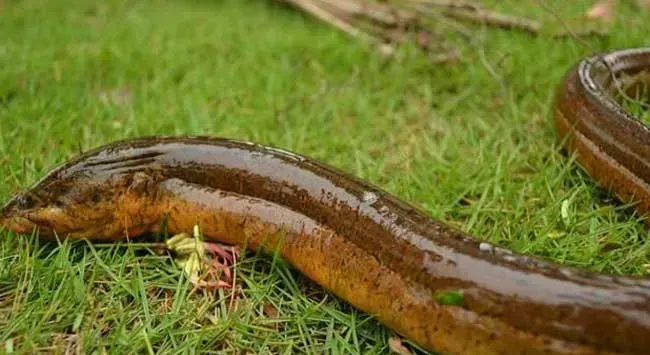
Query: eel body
x: 378, y: 253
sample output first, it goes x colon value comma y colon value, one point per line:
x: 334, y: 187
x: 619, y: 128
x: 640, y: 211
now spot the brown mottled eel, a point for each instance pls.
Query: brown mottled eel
x: 378, y: 253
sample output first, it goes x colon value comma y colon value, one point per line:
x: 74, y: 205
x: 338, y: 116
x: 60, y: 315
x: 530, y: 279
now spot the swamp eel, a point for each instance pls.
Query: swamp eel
x: 373, y: 250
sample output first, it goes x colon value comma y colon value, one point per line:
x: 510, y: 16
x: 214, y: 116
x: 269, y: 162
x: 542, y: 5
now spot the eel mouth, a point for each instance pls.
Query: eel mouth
x: 13, y: 220
x: 16, y: 224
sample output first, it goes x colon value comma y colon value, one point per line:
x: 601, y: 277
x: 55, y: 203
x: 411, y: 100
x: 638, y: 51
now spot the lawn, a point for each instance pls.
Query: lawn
x: 471, y: 143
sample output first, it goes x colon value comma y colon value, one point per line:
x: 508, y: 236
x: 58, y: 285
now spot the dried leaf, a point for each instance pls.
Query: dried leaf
x: 607, y: 247
x: 395, y: 345
x: 270, y: 310
x: 602, y: 10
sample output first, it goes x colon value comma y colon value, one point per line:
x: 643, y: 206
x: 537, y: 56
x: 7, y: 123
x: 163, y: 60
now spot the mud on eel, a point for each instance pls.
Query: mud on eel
x: 378, y: 253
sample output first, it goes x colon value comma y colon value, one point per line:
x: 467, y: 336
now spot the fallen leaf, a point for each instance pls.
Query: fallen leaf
x: 423, y: 39
x: 395, y: 345
x: 270, y: 310
x: 610, y: 247
x: 602, y: 10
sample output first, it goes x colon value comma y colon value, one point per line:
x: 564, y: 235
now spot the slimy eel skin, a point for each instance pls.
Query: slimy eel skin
x: 366, y: 246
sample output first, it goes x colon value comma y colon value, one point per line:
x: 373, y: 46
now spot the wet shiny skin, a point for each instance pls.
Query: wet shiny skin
x: 366, y: 246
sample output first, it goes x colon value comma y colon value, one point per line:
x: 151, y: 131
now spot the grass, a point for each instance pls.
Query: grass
x: 472, y: 144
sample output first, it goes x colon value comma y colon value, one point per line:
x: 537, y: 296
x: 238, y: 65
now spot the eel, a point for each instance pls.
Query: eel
x: 378, y: 253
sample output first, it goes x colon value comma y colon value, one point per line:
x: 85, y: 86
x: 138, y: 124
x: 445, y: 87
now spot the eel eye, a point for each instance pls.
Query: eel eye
x: 24, y: 202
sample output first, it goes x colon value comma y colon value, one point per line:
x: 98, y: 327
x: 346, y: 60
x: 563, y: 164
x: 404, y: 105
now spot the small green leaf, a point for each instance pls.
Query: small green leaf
x: 564, y: 212
x: 554, y: 234
x: 190, y: 252
x: 449, y: 298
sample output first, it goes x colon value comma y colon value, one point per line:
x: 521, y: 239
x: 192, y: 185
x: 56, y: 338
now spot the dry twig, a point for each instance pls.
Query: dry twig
x: 388, y: 23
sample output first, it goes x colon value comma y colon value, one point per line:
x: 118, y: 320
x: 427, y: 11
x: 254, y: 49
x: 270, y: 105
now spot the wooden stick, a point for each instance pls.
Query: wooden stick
x: 342, y: 25
x: 497, y: 19
x: 379, y: 12
x: 454, y: 4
